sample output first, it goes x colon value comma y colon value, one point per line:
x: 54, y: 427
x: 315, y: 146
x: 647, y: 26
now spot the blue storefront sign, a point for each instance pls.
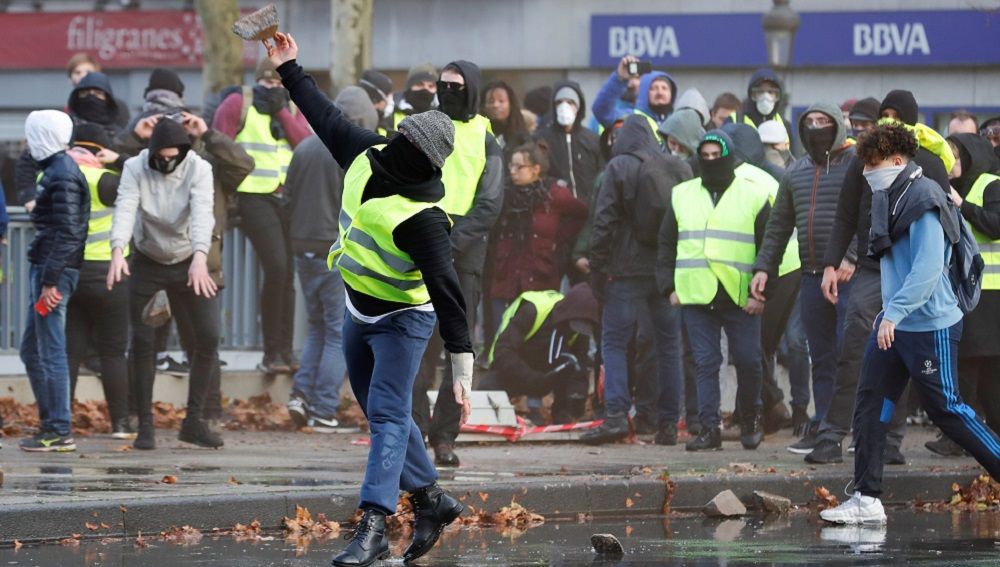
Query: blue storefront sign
x: 847, y: 39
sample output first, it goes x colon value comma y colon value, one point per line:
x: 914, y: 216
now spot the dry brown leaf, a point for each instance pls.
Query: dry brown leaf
x: 105, y: 526
x: 629, y: 503
x: 140, y: 542
x: 169, y: 479
x: 123, y: 508
x: 92, y: 527
x: 233, y: 480
x: 484, y: 496
x: 124, y: 449
x: 17, y: 545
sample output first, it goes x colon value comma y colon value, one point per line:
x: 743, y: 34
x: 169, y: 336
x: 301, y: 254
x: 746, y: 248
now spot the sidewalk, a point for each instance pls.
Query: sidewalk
x: 264, y: 475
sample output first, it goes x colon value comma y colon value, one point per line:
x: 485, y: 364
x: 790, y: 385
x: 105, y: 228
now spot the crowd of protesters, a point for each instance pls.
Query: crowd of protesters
x: 597, y: 258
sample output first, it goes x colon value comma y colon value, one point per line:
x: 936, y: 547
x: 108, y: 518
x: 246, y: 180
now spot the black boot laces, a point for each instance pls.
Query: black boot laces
x: 361, y: 530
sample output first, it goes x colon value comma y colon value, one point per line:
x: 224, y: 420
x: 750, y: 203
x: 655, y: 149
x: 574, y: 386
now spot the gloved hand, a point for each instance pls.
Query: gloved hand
x: 565, y: 362
x: 461, y: 376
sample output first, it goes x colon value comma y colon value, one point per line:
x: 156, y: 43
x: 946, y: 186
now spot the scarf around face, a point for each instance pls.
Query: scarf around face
x: 906, y: 200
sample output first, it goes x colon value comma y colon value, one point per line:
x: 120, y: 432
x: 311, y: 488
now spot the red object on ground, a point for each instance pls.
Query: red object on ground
x: 523, y: 430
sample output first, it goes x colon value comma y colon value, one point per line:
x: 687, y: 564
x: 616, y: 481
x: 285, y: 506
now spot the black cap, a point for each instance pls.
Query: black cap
x: 90, y: 134
x: 902, y: 102
x: 865, y: 109
x: 165, y: 79
x: 377, y: 85
x: 168, y: 134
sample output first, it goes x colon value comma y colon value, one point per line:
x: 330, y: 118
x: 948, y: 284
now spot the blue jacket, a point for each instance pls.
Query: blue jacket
x: 61, y: 214
x: 609, y: 106
x: 916, y: 292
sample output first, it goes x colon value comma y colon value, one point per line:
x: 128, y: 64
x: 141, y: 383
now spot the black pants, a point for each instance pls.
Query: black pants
x: 980, y: 387
x: 864, y: 304
x: 201, y: 313
x: 265, y: 221
x: 930, y: 360
x: 185, y: 335
x: 569, y: 390
x: 100, y: 317
x: 447, y: 413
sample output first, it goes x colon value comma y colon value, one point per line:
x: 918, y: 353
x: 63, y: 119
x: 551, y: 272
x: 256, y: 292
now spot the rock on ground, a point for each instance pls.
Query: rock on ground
x: 772, y: 503
x: 606, y: 544
x: 724, y: 505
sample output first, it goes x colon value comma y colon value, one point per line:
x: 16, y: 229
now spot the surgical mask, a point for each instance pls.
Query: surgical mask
x: 565, y: 114
x: 765, y: 103
x: 881, y: 179
x: 678, y: 153
x: 390, y: 107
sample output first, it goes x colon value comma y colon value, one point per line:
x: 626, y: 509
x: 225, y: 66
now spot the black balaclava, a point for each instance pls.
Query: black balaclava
x: 168, y: 134
x: 461, y: 105
x: 405, y: 162
x: 818, y: 142
x: 902, y: 102
x: 421, y: 100
x: 717, y: 174
x: 93, y: 109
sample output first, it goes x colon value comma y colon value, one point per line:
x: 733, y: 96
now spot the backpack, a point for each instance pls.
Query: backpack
x: 647, y: 200
x: 966, y: 269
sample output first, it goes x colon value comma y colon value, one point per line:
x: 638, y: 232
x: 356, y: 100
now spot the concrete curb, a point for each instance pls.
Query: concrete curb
x: 551, y: 497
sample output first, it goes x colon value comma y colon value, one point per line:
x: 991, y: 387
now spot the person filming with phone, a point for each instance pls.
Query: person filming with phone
x: 635, y: 88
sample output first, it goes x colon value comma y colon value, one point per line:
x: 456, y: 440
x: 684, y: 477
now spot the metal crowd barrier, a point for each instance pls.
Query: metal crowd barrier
x: 239, y: 299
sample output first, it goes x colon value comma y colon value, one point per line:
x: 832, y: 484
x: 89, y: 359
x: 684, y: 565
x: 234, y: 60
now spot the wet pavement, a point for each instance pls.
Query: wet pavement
x: 911, y: 538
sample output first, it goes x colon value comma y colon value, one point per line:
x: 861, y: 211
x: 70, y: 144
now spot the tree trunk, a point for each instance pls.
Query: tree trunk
x: 350, y: 41
x: 223, y: 50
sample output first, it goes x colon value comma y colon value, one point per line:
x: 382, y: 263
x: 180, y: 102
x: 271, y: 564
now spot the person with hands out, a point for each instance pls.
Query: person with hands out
x: 394, y: 254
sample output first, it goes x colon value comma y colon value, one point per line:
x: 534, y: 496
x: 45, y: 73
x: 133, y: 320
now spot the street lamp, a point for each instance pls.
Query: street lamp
x: 780, y: 25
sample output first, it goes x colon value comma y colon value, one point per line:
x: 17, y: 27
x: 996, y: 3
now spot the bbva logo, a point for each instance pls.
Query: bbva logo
x: 643, y: 41
x: 889, y: 38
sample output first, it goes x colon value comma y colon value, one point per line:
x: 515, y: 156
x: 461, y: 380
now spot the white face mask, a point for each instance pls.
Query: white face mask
x: 565, y: 114
x: 390, y: 107
x: 678, y: 153
x: 765, y: 103
x: 881, y: 179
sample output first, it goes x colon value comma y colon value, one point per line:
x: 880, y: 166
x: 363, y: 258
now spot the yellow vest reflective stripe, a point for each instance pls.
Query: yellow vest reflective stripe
x: 271, y: 156
x: 989, y: 249
x: 465, y: 165
x: 98, y: 247
x: 790, y: 261
x: 777, y: 118
x: 368, y: 258
x: 544, y: 302
x: 715, y: 243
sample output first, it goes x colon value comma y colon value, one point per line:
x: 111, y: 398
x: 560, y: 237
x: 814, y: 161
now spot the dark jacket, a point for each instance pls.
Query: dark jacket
x: 533, y: 260
x: 853, y: 219
x: 424, y: 236
x: 575, y: 157
x: 749, y: 109
x: 614, y: 249
x: 807, y: 201
x: 112, y: 122
x: 749, y: 148
x: 60, y: 216
x: 314, y: 188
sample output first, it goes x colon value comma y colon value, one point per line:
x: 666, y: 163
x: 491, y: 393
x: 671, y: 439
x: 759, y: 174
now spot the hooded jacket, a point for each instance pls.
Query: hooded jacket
x: 62, y: 205
x: 574, y: 156
x: 614, y: 249
x: 424, y: 236
x: 101, y: 82
x: 693, y: 99
x: 473, y: 78
x: 749, y: 148
x: 807, y: 202
x: 749, y: 109
x: 609, y: 106
x: 685, y: 126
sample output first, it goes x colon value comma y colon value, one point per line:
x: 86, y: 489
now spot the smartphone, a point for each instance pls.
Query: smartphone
x: 637, y: 68
x: 41, y: 308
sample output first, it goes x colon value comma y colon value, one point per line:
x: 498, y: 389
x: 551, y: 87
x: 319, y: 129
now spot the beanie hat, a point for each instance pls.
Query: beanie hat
x: 902, y: 102
x: 772, y: 133
x: 421, y: 73
x: 432, y: 132
x: 865, y: 109
x: 567, y: 93
x: 165, y: 79
x: 377, y: 85
x: 168, y: 134
x: 266, y: 70
x: 91, y: 135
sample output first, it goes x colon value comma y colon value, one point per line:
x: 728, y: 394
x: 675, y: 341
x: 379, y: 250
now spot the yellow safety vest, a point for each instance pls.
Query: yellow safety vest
x: 270, y: 155
x: 715, y: 243
x: 790, y: 261
x: 989, y: 249
x: 928, y: 139
x: 368, y: 258
x: 544, y: 302
x: 98, y: 247
x: 777, y: 118
x: 465, y: 165
x: 653, y: 124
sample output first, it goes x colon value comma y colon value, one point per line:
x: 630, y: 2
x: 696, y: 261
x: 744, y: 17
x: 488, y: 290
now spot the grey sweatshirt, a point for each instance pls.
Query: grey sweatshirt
x: 169, y: 216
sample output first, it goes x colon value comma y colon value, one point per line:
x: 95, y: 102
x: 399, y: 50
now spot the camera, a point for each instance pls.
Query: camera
x: 637, y: 68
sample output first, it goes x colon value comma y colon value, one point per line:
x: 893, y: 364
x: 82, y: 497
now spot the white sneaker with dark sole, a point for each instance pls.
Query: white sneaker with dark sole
x: 858, y: 510
x: 299, y: 411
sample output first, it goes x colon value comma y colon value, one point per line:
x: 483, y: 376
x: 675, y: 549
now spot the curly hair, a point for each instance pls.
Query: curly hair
x: 885, y: 141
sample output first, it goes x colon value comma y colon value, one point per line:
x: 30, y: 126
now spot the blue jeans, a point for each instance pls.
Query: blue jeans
x: 625, y: 299
x: 43, y: 352
x: 322, y: 369
x: 824, y: 326
x: 382, y: 363
x: 797, y: 357
x: 704, y: 327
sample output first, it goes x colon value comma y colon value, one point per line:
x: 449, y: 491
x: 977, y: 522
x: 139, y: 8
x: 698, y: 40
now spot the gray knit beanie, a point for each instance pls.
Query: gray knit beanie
x: 432, y: 132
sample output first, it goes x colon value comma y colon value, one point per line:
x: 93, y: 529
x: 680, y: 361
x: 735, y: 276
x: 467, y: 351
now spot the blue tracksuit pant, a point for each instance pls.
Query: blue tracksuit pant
x: 931, y: 359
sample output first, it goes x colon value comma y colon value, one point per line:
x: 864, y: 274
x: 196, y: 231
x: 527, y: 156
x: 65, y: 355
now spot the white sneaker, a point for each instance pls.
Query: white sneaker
x: 858, y: 510
x: 321, y: 425
x: 299, y: 411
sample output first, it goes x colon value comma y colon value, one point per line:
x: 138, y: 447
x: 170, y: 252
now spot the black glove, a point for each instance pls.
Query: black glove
x: 564, y: 363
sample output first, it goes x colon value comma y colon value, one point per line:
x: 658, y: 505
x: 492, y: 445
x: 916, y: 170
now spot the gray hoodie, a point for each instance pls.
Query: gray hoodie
x: 170, y: 217
x: 693, y: 99
x: 357, y: 105
x: 685, y: 127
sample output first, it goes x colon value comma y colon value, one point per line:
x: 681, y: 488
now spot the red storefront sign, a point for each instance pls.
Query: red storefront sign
x: 119, y: 40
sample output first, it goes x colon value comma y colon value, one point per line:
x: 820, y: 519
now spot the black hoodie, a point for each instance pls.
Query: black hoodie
x: 111, y: 118
x: 574, y: 156
x: 977, y: 157
x: 749, y: 148
x: 472, y: 75
x: 750, y: 107
x: 424, y: 236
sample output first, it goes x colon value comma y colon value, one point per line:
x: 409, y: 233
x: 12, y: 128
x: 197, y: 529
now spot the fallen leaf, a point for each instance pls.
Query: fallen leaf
x: 169, y: 479
x: 123, y: 508
x: 17, y: 545
x: 629, y: 503
x: 124, y: 449
x: 92, y: 527
x: 484, y: 496
x: 628, y: 531
x: 233, y: 480
x: 105, y: 526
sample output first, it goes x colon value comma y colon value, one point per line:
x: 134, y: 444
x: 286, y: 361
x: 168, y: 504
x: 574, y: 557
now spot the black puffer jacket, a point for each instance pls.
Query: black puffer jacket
x: 807, y: 201
x: 61, y: 214
x: 574, y: 157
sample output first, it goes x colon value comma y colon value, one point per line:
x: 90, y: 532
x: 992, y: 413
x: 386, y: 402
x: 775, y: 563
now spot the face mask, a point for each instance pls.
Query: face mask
x: 390, y: 107
x: 679, y: 154
x: 717, y: 174
x: 881, y: 179
x: 565, y: 114
x: 453, y: 104
x: 164, y: 165
x: 421, y: 101
x: 765, y: 103
x: 92, y: 109
x: 818, y: 142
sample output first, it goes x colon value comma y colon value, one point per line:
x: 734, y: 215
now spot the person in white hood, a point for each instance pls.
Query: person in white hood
x: 60, y: 216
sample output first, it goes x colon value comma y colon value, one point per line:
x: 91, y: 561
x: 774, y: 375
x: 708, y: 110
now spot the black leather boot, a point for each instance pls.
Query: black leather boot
x: 614, y: 428
x: 433, y: 509
x: 146, y: 439
x: 710, y: 439
x: 368, y: 542
x: 751, y: 431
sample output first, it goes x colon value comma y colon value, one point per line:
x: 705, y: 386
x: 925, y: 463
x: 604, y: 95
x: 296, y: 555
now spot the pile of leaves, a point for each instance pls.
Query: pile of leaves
x: 304, y: 525
x: 259, y: 413
x: 824, y: 499
x: 983, y: 493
